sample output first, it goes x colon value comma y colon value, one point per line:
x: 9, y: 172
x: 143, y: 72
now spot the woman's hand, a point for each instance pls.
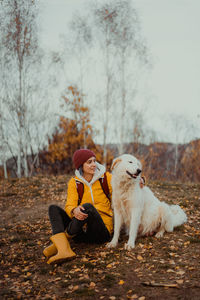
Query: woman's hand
x: 79, y: 214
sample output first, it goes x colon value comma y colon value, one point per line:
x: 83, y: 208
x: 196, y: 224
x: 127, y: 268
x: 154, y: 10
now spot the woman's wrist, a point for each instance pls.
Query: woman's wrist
x: 72, y: 211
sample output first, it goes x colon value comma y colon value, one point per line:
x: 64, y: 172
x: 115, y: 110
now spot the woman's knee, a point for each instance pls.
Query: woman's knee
x: 52, y: 209
x: 89, y: 207
x: 91, y: 210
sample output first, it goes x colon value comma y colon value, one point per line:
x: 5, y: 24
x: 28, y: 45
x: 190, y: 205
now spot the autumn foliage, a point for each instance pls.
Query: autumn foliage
x: 158, y: 161
x: 190, y: 165
x: 74, y: 132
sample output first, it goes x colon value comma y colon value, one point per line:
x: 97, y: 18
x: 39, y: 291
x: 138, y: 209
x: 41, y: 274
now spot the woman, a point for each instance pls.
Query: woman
x: 87, y: 221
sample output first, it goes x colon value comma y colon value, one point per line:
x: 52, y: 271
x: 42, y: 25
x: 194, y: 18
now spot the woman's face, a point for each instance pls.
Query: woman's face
x: 89, y: 167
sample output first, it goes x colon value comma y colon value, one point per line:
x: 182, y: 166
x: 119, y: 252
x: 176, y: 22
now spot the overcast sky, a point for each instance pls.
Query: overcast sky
x: 172, y: 31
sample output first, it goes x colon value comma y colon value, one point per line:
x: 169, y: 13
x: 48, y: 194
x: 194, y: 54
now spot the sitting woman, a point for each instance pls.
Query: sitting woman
x: 88, y: 214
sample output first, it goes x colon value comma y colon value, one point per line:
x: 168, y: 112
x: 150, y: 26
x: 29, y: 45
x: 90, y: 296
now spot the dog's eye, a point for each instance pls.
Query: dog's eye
x: 130, y: 162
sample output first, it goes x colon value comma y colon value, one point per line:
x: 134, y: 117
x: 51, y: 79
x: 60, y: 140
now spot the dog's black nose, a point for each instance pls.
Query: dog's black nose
x: 138, y: 171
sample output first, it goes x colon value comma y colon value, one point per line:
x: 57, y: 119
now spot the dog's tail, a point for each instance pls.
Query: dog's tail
x: 179, y: 216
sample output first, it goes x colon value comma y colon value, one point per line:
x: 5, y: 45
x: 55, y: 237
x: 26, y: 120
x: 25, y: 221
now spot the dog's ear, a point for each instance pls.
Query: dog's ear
x: 115, y: 162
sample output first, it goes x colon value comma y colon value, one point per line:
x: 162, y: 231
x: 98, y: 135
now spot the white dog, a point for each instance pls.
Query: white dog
x: 137, y: 207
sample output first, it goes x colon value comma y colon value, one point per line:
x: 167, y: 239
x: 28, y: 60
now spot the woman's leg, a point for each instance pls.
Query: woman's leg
x: 96, y: 231
x: 60, y: 250
x: 58, y: 218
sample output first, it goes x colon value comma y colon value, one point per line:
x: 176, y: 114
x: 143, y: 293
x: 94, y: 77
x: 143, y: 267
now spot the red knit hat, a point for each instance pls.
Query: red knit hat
x: 81, y: 156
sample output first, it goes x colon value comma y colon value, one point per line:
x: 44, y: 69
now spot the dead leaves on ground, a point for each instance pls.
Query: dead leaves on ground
x: 168, y: 265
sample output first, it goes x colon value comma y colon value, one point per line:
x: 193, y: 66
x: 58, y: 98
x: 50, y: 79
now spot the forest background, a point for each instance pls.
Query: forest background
x: 92, y: 92
x: 46, y: 112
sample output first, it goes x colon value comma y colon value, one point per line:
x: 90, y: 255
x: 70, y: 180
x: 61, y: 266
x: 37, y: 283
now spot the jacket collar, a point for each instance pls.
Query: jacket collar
x: 100, y: 170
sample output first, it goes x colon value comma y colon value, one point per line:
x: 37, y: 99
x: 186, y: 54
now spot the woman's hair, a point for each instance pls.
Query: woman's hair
x: 81, y: 170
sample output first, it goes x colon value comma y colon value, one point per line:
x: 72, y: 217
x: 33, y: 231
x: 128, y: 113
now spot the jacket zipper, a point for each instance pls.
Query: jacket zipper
x: 92, y: 194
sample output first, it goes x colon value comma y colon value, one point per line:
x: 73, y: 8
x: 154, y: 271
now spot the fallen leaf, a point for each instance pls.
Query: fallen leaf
x: 139, y: 257
x: 180, y: 272
x: 135, y: 296
x: 180, y: 281
x: 172, y: 262
x: 75, y: 288
x: 84, y: 259
x: 170, y: 270
x: 92, y: 284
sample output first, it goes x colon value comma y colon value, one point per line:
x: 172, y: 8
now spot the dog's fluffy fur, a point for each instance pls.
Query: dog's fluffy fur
x: 137, y: 207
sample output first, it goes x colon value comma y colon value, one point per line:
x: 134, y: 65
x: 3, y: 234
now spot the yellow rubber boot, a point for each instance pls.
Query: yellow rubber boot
x: 49, y: 251
x: 63, y: 247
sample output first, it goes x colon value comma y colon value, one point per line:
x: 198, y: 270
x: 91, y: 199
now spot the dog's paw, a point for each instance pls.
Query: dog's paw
x: 159, y: 234
x: 111, y: 245
x: 129, y: 246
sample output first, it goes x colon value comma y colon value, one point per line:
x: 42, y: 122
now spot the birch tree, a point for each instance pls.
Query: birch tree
x: 178, y: 124
x: 132, y: 56
x: 3, y: 145
x: 20, y: 41
x: 103, y: 23
x: 24, y: 87
x: 117, y: 28
x: 81, y: 41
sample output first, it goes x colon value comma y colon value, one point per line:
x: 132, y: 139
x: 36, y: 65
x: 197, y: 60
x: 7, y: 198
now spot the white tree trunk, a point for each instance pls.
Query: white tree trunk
x: 123, y: 104
x: 5, y: 170
x: 176, y: 159
x: 20, y: 149
x: 19, y: 163
x: 25, y: 166
x: 108, y: 99
x: 104, y: 146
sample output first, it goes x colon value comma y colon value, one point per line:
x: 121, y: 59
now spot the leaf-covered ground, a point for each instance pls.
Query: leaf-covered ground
x: 168, y: 268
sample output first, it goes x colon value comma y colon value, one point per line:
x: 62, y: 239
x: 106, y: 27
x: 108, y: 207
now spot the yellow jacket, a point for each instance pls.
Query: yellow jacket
x: 93, y: 194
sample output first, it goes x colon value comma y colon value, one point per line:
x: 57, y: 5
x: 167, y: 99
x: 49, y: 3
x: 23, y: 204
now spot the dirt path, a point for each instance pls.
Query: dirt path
x: 168, y: 268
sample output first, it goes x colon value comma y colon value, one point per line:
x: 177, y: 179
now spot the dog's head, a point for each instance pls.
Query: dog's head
x: 127, y: 166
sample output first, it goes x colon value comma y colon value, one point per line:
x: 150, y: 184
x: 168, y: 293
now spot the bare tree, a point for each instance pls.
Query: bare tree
x: 179, y: 128
x: 80, y: 42
x: 81, y: 35
x: 20, y: 40
x: 132, y: 56
x: 3, y: 145
x: 103, y: 31
x: 117, y: 28
x: 26, y: 114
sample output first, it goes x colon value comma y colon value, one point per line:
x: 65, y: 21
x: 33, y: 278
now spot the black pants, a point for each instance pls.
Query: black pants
x: 95, y: 232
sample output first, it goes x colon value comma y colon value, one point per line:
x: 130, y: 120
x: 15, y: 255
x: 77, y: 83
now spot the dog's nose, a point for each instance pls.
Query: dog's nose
x: 138, y: 171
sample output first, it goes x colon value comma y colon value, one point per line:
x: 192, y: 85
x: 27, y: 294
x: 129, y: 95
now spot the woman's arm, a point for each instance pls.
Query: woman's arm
x: 72, y: 197
x: 71, y: 206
